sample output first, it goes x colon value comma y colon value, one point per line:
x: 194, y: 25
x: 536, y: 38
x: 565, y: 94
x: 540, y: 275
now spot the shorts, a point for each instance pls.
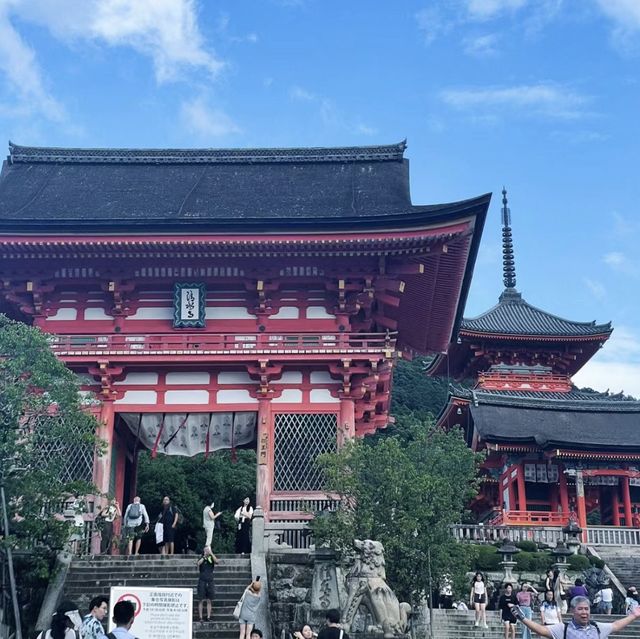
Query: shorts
x: 244, y: 622
x: 134, y: 533
x: 205, y: 588
x: 479, y: 599
x: 605, y: 607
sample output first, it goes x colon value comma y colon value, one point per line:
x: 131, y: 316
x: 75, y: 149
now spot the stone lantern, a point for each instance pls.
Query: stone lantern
x: 571, y: 534
x: 508, y: 550
x: 561, y: 552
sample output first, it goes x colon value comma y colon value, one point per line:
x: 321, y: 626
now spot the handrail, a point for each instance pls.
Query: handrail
x: 478, y: 533
x: 224, y: 343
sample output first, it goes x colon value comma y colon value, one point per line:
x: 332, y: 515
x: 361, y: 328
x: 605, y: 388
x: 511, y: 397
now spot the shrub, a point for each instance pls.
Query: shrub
x: 596, y: 562
x: 532, y: 561
x: 527, y: 546
x: 578, y: 563
x: 487, y: 558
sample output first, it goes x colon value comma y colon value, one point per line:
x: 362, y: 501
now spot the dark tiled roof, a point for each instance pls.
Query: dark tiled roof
x: 326, y: 188
x: 514, y: 316
x: 566, y: 423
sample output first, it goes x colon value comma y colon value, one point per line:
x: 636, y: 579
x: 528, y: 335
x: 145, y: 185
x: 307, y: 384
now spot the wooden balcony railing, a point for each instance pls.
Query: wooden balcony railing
x: 530, y: 518
x: 194, y: 344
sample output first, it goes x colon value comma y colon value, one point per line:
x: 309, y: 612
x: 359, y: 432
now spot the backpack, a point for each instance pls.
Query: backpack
x: 135, y: 512
x: 591, y: 623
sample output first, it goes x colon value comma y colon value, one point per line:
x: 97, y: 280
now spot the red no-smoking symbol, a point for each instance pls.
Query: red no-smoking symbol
x: 137, y: 604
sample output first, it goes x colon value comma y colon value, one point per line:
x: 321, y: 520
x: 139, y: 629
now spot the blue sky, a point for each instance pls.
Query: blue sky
x: 540, y: 95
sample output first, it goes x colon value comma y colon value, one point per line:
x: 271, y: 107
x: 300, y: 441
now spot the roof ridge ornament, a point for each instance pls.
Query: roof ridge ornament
x: 508, y: 261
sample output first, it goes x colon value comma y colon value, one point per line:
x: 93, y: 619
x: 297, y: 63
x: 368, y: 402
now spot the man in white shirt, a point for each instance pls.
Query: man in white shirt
x: 580, y: 626
x: 136, y: 524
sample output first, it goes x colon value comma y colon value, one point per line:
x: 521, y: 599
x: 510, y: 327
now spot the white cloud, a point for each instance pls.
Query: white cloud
x: 485, y: 9
x: 329, y: 113
x: 611, y: 376
x: 616, y: 367
x: 299, y: 93
x: 614, y: 259
x: 19, y: 65
x: 620, y: 262
x: 596, y: 288
x: 481, y: 46
x: 624, y: 13
x: 547, y: 99
x: 165, y: 30
x: 432, y: 23
x: 204, y: 121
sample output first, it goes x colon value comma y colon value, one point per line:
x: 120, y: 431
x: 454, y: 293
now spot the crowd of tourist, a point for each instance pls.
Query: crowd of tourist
x: 517, y: 607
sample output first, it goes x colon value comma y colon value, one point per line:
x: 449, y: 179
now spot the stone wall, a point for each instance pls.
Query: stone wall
x: 290, y: 580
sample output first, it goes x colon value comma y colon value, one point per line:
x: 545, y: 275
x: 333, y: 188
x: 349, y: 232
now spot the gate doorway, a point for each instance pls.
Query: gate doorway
x: 193, y: 458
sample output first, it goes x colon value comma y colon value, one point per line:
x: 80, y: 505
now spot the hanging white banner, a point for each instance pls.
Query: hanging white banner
x: 193, y: 433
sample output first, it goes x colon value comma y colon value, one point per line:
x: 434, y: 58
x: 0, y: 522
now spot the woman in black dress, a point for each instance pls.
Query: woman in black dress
x: 243, y: 518
x: 508, y: 599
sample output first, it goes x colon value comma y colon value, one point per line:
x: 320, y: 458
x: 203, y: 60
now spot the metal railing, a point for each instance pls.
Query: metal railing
x: 218, y: 343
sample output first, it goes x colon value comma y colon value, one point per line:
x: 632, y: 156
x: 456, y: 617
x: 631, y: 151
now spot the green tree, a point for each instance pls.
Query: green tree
x: 47, y: 438
x: 193, y: 482
x: 404, y: 492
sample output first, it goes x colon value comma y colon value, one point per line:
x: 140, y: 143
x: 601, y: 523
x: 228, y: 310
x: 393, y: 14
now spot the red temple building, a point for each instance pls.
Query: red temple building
x: 552, y: 451
x: 220, y: 298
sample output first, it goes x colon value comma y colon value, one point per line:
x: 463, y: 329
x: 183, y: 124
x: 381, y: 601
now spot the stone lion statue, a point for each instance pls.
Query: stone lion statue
x: 367, y: 585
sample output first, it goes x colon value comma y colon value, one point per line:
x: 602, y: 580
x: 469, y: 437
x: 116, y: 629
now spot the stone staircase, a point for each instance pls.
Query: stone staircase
x: 624, y: 562
x: 458, y: 624
x: 94, y: 576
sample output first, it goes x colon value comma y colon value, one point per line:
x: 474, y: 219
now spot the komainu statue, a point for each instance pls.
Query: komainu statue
x: 367, y: 585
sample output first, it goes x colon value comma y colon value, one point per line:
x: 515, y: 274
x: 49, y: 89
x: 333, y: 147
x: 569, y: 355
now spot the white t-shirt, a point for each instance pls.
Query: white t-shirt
x: 550, y: 613
x: 478, y: 588
x: 575, y: 632
x: 606, y: 595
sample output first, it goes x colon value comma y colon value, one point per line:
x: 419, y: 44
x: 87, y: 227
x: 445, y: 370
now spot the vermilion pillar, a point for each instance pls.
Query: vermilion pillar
x: 264, y: 477
x: 580, y: 503
x: 626, y: 500
x: 564, y: 491
x: 615, y: 506
x: 346, y: 423
x: 522, y: 491
x: 102, y: 463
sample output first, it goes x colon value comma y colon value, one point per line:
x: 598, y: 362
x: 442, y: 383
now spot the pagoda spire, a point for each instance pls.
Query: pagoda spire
x: 508, y: 262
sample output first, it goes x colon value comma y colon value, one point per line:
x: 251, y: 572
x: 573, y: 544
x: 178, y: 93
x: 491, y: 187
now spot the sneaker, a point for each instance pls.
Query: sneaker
x: 485, y: 625
x: 477, y: 623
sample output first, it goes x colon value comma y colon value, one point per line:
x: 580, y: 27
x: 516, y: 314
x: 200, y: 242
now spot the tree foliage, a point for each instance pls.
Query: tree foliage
x: 404, y: 492
x: 42, y: 426
x: 194, y: 482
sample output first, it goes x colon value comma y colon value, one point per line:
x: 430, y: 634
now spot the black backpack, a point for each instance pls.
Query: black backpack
x: 591, y: 623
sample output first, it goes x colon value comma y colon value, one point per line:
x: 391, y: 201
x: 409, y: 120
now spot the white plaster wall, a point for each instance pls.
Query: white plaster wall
x: 152, y: 313
x: 228, y: 312
x: 289, y: 396
x: 322, y: 377
x: 138, y: 397
x: 186, y: 396
x: 139, y: 378
x: 290, y: 377
x: 287, y: 312
x: 322, y: 396
x: 235, y: 377
x: 63, y: 314
x: 318, y: 312
x: 235, y: 396
x: 188, y: 377
x: 96, y: 313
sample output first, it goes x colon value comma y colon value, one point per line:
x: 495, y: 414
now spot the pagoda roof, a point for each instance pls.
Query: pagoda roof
x: 207, y: 189
x: 514, y: 316
x: 579, y: 419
